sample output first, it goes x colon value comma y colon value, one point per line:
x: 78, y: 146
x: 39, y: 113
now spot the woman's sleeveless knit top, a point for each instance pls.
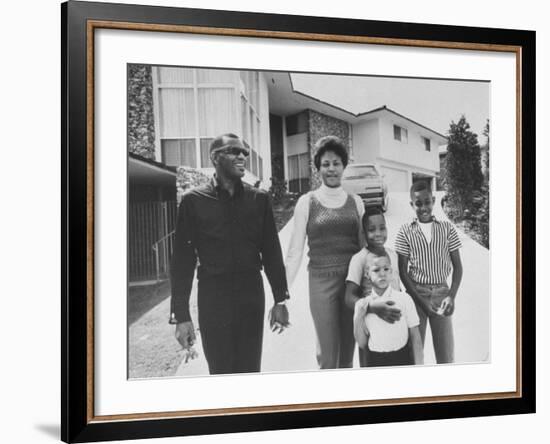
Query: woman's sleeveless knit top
x: 332, y: 234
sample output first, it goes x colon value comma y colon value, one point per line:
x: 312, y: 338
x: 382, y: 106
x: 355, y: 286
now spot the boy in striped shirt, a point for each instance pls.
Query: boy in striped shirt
x: 428, y: 251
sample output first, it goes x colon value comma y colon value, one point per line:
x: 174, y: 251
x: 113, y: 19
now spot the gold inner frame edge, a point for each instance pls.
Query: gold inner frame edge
x: 92, y: 25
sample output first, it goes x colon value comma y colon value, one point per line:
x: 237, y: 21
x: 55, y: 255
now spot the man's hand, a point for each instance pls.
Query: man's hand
x: 278, y: 318
x: 185, y: 334
x: 386, y: 310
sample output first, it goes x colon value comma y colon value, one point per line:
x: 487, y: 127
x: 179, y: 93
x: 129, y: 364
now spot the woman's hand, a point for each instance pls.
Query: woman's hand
x: 278, y: 318
x: 386, y: 310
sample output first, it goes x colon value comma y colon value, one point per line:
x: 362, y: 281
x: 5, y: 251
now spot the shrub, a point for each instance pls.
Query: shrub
x: 188, y: 178
x: 278, y: 190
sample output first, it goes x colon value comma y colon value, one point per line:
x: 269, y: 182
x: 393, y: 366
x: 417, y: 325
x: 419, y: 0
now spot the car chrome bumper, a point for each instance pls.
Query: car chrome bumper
x: 371, y: 199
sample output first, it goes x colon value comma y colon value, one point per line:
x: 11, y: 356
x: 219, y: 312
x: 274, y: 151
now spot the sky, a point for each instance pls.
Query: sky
x: 432, y: 103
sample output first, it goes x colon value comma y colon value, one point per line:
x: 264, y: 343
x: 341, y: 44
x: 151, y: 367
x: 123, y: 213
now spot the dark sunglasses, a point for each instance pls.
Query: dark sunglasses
x: 234, y: 151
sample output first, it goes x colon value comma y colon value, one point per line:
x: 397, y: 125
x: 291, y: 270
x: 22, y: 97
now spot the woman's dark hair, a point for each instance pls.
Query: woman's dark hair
x: 371, y: 211
x: 333, y: 144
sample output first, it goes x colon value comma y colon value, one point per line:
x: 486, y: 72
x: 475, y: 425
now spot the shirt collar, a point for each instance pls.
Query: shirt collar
x: 328, y: 191
x: 239, y: 187
x: 434, y: 219
x: 386, y: 293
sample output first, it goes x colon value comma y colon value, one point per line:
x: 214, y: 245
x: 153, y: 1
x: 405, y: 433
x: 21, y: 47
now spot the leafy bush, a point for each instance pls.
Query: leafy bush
x: 188, y: 178
x: 278, y: 190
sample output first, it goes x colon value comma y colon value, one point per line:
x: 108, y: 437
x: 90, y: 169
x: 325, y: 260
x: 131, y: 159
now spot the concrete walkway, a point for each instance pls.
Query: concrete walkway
x: 294, y: 350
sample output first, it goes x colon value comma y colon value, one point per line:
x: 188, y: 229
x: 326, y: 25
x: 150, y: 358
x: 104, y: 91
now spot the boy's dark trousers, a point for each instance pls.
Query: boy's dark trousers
x: 402, y: 356
x: 231, y: 321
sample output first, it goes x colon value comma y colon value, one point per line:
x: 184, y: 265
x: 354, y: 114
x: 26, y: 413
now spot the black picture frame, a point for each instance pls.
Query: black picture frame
x: 78, y: 424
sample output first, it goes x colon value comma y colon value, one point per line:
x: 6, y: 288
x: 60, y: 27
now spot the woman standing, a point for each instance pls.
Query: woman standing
x: 331, y: 220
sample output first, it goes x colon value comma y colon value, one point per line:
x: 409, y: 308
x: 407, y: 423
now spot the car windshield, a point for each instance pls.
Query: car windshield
x: 360, y: 172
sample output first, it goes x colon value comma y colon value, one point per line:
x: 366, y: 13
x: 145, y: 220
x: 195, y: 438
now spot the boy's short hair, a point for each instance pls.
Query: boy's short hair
x: 371, y: 256
x: 371, y: 211
x: 330, y: 143
x: 420, y: 185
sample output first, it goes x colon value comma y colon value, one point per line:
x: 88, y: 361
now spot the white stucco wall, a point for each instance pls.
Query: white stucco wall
x: 366, y: 141
x: 411, y: 153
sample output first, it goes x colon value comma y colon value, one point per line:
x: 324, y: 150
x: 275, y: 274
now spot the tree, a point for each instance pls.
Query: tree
x: 464, y: 176
x: 486, y: 133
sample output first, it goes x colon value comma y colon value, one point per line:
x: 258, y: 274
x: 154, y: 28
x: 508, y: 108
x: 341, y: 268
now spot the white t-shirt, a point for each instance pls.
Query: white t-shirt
x: 386, y: 337
x: 427, y: 230
x: 357, y: 271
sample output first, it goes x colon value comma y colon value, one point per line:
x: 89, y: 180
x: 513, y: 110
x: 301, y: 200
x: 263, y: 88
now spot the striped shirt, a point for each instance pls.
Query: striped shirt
x: 429, y: 262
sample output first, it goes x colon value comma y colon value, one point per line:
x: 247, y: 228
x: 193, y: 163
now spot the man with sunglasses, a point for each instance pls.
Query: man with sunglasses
x: 227, y: 226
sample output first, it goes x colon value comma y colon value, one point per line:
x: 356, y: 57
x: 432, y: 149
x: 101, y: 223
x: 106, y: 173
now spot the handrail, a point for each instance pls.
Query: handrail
x: 162, y: 238
x: 167, y: 242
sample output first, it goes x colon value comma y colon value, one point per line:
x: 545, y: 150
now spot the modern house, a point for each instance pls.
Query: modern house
x: 192, y: 106
x: 174, y: 113
x: 406, y: 151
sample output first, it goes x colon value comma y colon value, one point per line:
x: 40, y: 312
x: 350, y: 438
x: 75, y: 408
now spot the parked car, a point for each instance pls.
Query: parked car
x: 365, y: 180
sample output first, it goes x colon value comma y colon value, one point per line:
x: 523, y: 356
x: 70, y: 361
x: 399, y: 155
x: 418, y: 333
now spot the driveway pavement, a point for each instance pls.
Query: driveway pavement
x: 294, y: 350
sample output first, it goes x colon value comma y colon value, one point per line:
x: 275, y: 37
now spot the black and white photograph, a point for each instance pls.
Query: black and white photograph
x: 282, y: 222
x: 301, y: 221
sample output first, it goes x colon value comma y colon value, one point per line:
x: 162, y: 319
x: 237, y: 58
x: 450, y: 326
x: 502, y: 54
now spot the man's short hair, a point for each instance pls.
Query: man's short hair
x: 220, y: 141
x: 330, y: 143
x: 420, y: 185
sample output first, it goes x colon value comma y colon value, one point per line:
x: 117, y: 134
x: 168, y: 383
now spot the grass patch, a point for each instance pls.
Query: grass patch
x: 152, y: 349
x: 473, y: 220
x: 143, y: 298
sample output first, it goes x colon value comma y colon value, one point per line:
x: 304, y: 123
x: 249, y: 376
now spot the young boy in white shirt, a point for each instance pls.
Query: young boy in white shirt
x: 387, y: 344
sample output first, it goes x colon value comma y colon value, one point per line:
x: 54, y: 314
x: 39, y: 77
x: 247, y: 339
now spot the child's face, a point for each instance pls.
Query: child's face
x: 380, y: 272
x: 375, y: 231
x: 423, y: 202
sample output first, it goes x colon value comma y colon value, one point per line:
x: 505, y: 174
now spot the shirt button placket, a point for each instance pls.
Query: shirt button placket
x: 234, y: 246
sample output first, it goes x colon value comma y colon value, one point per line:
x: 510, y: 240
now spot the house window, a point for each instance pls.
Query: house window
x: 250, y: 120
x: 254, y: 160
x: 427, y: 143
x: 179, y: 152
x: 400, y: 133
x: 205, y: 152
x: 196, y: 105
x: 297, y: 123
x: 177, y: 112
x: 299, y: 173
x: 216, y: 107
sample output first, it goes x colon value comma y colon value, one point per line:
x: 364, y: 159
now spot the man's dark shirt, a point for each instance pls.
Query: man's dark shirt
x: 228, y: 235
